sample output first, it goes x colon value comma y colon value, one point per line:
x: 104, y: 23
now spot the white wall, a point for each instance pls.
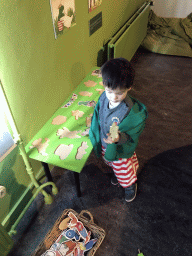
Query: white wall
x: 172, y: 8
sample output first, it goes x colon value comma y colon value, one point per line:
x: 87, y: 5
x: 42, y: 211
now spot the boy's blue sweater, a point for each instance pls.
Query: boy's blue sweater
x: 133, y: 125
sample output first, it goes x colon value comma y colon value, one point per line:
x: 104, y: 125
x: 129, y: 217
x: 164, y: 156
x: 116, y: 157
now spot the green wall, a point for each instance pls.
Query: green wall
x: 38, y: 72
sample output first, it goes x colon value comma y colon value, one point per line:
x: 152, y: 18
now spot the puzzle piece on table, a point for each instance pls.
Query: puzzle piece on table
x: 64, y: 223
x: 63, y: 151
x: 90, y: 83
x: 59, y: 120
x: 81, y: 150
x: 77, y: 114
x: 100, y: 90
x: 73, y: 98
x: 96, y: 72
x: 86, y: 132
x: 88, y: 120
x: 91, y: 103
x: 114, y: 130
x: 64, y: 132
x: 41, y: 147
x: 75, y: 223
x: 101, y: 83
x: 85, y: 93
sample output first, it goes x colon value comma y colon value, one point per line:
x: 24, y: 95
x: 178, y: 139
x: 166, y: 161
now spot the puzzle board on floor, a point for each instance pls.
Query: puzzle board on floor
x: 63, y: 141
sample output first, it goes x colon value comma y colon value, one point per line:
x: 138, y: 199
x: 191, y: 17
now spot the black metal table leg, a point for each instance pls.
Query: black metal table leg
x: 49, y: 177
x: 47, y: 171
x: 77, y: 182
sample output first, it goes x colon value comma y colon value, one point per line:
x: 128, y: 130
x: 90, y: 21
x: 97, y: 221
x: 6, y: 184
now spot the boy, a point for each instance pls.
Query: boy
x: 129, y: 115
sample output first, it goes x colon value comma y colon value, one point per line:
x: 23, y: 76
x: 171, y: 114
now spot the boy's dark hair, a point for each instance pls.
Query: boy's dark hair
x: 117, y: 72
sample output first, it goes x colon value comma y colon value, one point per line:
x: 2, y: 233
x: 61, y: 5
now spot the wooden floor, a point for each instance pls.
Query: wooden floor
x: 164, y: 84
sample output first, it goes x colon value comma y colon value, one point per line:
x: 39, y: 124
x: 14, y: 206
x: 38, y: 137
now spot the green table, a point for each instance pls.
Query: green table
x: 63, y: 141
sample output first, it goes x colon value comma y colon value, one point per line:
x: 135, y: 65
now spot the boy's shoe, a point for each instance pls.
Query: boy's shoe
x: 114, y: 180
x: 130, y: 192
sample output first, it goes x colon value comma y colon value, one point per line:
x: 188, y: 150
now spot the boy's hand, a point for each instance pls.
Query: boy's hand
x: 109, y: 139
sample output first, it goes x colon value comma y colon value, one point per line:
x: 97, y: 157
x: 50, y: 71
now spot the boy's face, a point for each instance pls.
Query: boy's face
x: 117, y: 95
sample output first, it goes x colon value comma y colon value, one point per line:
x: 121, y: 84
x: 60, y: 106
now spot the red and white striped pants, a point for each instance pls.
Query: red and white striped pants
x: 124, y: 169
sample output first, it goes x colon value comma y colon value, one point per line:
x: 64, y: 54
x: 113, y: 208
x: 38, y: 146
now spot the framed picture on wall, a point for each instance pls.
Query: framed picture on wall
x: 63, y: 15
x: 93, y: 4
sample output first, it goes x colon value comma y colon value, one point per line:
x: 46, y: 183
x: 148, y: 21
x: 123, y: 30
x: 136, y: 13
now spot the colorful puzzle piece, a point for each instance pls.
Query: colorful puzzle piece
x: 71, y: 234
x: 62, y: 238
x: 73, y: 98
x: 71, y: 246
x: 91, y: 103
x: 64, y: 223
x: 80, y: 227
x: 82, y: 247
x: 90, y: 244
x: 62, y: 250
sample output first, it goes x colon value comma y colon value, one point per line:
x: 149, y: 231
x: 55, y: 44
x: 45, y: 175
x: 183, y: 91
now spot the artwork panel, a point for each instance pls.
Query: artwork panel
x: 63, y: 16
x: 93, y: 4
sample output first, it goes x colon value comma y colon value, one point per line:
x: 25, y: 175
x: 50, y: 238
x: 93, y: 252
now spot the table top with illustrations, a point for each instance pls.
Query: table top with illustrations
x: 63, y: 141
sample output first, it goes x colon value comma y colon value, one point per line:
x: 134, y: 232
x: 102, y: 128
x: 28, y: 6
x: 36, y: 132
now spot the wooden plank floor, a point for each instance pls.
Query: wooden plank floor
x: 164, y: 84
